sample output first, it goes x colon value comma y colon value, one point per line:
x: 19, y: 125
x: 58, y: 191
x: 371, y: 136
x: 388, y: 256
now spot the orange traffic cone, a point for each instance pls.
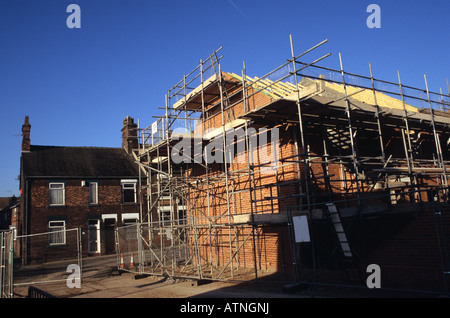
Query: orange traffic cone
x: 121, y: 262
x: 132, y: 261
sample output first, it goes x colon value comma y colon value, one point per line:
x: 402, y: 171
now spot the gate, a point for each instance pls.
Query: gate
x: 183, y: 250
x: 6, y: 264
x: 45, y: 256
x: 147, y: 249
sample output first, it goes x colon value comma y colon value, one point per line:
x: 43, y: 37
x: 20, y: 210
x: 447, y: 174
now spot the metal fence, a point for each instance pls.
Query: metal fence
x: 45, y: 256
x: 183, y: 250
x: 152, y: 249
x: 6, y: 264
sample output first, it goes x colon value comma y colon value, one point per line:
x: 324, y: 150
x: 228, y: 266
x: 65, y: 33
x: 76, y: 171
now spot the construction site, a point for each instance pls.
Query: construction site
x: 307, y: 174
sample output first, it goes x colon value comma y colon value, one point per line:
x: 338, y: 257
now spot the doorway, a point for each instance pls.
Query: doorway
x: 94, y: 236
x: 110, y: 242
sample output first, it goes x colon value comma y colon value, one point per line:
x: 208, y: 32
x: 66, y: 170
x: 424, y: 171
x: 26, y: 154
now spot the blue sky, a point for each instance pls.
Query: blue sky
x: 77, y: 85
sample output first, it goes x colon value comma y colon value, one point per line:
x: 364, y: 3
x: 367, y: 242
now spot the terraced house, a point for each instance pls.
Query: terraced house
x: 73, y: 195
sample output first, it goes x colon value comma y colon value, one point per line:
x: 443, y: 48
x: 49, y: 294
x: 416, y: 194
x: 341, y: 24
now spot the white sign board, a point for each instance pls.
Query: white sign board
x: 301, y: 229
x: 154, y: 128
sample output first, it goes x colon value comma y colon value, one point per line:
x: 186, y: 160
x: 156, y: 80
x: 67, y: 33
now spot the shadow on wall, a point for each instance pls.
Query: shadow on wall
x: 405, y: 246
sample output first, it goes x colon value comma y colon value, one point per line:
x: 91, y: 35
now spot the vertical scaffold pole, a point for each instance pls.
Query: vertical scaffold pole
x: 408, y: 145
x: 249, y: 166
x: 222, y: 110
x: 350, y: 129
x: 302, y: 136
x: 304, y: 151
x: 380, y: 135
x: 436, y: 137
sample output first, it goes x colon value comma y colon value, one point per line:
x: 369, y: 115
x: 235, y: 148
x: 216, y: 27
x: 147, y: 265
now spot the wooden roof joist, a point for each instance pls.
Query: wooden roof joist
x: 319, y: 109
x: 210, y: 87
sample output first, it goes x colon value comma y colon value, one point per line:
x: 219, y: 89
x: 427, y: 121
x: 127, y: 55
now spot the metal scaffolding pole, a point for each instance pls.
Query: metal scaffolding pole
x: 250, y: 176
x: 377, y: 116
x: 305, y: 152
x: 350, y: 129
x: 303, y: 157
x: 410, y: 156
x: 225, y: 164
x: 436, y: 138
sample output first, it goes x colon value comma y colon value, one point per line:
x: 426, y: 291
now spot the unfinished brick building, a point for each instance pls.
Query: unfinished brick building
x: 321, y: 171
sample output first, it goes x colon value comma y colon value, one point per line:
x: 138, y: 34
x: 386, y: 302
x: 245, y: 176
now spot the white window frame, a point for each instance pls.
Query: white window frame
x: 165, y: 215
x: 93, y: 200
x: 128, y: 185
x: 63, y: 189
x: 130, y: 218
x: 56, y: 226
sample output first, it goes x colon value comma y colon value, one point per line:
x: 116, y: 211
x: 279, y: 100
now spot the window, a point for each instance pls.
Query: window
x: 94, y: 236
x: 56, y: 191
x: 93, y: 193
x: 130, y: 226
x: 129, y: 221
x: 182, y: 214
x: 128, y: 192
x: 57, y: 231
x: 165, y: 213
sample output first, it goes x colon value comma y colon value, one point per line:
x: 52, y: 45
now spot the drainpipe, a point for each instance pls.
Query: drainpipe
x: 25, y: 247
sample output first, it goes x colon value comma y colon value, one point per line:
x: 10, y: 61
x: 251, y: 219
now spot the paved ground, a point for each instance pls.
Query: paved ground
x: 105, y: 285
x: 99, y: 281
x: 214, y: 298
x: 102, y: 284
x: 266, y: 297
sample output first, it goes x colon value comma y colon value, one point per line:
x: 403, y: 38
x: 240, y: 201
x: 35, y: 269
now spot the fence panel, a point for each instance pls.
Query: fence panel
x: 45, y: 256
x: 6, y: 264
x: 183, y: 250
x: 151, y: 249
x: 127, y: 246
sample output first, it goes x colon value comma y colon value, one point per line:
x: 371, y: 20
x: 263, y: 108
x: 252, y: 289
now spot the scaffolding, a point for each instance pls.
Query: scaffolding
x: 364, y: 144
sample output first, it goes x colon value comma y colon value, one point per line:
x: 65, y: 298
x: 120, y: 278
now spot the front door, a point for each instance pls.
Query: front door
x: 110, y: 240
x: 94, y: 236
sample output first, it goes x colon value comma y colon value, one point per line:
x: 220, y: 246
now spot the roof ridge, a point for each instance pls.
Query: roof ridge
x: 98, y: 147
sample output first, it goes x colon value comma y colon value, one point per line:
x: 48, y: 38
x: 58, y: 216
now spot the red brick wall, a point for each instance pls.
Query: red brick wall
x: 76, y: 212
x: 272, y: 245
x: 408, y: 254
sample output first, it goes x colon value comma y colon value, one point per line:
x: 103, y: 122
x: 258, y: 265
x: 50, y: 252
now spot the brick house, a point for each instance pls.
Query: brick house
x: 8, y: 210
x: 90, y: 188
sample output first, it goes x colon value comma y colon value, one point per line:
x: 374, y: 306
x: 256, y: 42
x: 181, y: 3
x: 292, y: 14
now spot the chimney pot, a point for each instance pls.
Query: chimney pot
x: 26, y: 128
x: 129, y: 134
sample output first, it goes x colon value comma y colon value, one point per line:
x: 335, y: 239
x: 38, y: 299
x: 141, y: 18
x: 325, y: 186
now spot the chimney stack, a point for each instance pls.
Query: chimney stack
x: 26, y: 143
x: 129, y: 134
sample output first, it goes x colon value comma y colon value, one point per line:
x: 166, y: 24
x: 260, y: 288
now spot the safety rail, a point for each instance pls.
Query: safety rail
x: 34, y: 292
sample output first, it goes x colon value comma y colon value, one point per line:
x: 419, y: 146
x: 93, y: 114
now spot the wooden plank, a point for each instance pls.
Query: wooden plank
x: 195, y: 91
x: 218, y: 131
x: 309, y: 90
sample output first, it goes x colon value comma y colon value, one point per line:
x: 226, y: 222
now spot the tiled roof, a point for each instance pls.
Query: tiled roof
x: 53, y: 161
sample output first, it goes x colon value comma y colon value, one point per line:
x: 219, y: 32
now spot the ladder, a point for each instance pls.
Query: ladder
x: 348, y: 260
x: 339, y: 229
